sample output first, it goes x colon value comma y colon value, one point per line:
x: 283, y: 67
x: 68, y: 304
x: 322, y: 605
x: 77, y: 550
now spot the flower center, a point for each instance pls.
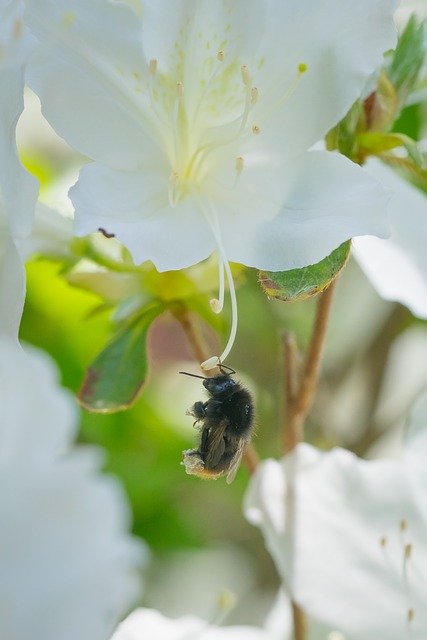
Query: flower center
x: 196, y: 130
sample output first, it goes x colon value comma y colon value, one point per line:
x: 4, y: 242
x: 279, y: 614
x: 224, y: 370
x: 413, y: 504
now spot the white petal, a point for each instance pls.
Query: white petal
x: 51, y: 235
x: 148, y: 623
x: 327, y: 200
x: 66, y: 561
x: 89, y: 72
x: 12, y: 286
x: 336, y: 567
x: 18, y: 190
x: 135, y: 207
x: 342, y: 43
x: 38, y: 420
x: 397, y: 267
x: 68, y: 564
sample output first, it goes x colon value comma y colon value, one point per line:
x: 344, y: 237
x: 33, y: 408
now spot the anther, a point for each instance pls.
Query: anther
x: 221, y: 56
x: 256, y: 129
x: 246, y: 76
x: 179, y: 90
x: 383, y: 542
x: 254, y: 95
x: 403, y: 524
x: 408, y: 551
x: 152, y: 67
x: 240, y: 164
x: 17, y: 29
x: 410, y: 615
x: 211, y: 363
x: 302, y: 68
x: 226, y: 600
x: 216, y: 305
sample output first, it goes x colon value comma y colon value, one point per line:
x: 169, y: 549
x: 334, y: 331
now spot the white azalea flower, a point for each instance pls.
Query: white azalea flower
x: 149, y: 623
x: 67, y: 563
x: 358, y: 557
x: 18, y: 190
x: 199, y: 115
x: 397, y: 267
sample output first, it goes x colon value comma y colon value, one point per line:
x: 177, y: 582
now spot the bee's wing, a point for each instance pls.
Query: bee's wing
x: 235, y: 463
x: 216, y: 443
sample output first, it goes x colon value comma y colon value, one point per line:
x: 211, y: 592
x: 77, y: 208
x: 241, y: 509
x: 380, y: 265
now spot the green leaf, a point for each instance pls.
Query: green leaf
x: 376, y: 143
x: 116, y: 377
x: 299, y: 284
x: 407, y: 59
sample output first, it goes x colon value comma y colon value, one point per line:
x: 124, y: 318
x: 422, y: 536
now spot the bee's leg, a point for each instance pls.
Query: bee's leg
x: 198, y: 411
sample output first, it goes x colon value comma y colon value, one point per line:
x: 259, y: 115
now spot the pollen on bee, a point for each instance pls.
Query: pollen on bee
x: 221, y: 56
x: 152, y: 67
x: 256, y: 129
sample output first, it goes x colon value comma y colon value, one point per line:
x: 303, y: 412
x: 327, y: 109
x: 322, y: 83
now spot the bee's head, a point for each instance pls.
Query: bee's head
x: 219, y: 385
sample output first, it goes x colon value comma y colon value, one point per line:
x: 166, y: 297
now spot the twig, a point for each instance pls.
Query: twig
x: 201, y: 353
x: 305, y: 396
x: 290, y: 437
x: 299, y: 399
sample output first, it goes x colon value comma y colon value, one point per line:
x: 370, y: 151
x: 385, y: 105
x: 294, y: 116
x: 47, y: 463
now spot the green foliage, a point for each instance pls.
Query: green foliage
x: 299, y: 284
x: 116, y: 377
x: 407, y: 60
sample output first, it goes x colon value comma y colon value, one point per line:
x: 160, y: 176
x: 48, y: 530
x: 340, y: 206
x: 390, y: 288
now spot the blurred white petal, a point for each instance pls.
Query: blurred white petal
x: 358, y: 556
x: 68, y: 564
x: 397, y: 267
x: 149, y: 623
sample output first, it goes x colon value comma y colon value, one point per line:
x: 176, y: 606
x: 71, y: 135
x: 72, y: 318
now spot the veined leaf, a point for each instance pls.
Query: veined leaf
x: 300, y: 284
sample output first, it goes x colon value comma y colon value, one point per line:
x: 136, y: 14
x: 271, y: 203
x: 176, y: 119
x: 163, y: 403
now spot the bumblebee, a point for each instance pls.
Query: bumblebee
x: 226, y: 423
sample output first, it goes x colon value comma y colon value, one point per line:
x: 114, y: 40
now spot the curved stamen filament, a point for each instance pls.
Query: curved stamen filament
x: 217, y: 304
x: 212, y: 220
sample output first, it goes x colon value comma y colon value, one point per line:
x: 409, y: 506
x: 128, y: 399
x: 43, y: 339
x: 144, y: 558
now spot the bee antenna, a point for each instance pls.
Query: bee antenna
x: 224, y: 366
x: 192, y: 375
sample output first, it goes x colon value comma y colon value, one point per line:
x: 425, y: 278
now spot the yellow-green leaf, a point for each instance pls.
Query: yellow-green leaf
x: 299, y: 284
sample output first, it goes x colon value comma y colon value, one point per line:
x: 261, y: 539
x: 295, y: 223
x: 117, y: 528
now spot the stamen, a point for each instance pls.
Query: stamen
x: 211, y: 363
x: 410, y: 615
x: 403, y: 524
x: 408, y: 551
x: 383, y: 542
x: 220, y: 56
x: 246, y: 76
x: 152, y: 67
x: 179, y: 90
x: 217, y: 305
x: 256, y: 129
x: 254, y: 95
x: 212, y: 220
x: 18, y: 29
x: 240, y: 164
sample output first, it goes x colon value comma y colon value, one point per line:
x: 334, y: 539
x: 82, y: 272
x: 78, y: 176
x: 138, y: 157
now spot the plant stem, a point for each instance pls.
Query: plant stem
x: 299, y: 399
x: 201, y: 353
x: 300, y: 407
